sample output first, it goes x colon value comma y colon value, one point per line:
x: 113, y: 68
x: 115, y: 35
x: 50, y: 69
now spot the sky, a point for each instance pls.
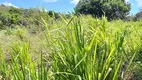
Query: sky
x: 63, y: 6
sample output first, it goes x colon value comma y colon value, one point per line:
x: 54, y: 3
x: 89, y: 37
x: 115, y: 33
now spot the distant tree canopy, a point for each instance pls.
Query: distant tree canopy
x: 138, y: 16
x: 112, y: 9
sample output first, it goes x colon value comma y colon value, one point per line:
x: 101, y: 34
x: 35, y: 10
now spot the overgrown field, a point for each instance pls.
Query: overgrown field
x: 80, y: 48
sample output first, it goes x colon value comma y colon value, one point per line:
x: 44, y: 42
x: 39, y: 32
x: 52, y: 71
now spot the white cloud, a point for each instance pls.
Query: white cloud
x: 50, y: 0
x: 9, y: 4
x: 74, y: 1
x: 139, y: 3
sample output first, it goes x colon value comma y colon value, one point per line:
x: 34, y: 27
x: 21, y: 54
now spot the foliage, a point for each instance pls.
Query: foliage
x: 138, y: 16
x: 41, y: 46
x: 112, y: 9
x: 80, y: 48
x: 10, y: 16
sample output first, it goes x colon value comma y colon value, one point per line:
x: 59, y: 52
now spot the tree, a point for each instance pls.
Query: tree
x: 138, y: 16
x: 112, y: 9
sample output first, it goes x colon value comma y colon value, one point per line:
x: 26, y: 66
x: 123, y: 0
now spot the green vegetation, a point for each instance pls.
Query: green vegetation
x: 112, y: 9
x: 40, y: 45
x: 138, y: 16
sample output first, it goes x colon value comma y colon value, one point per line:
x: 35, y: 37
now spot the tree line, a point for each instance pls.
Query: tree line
x: 112, y: 9
x: 19, y: 16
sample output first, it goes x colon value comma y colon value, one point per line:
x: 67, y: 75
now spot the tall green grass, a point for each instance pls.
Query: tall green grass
x: 80, y: 48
